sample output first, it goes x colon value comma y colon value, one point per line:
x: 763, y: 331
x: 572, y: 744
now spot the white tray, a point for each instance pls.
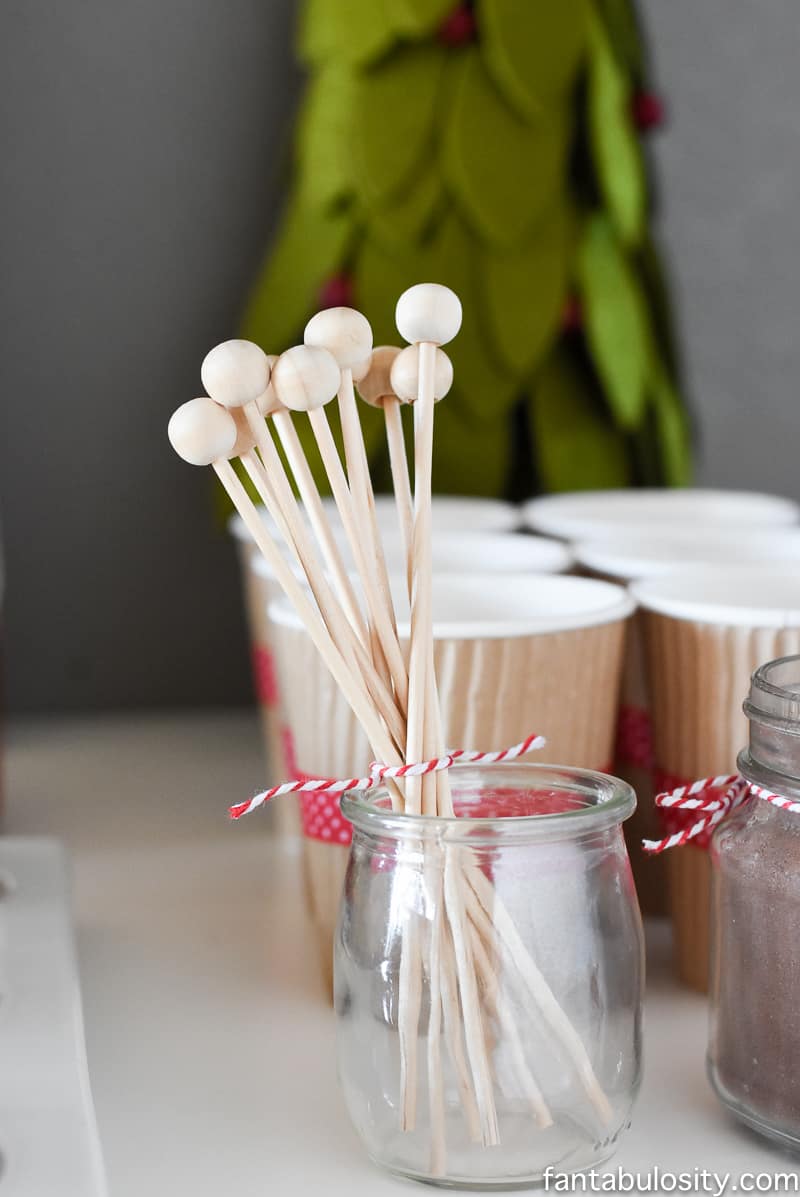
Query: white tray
x: 49, y: 1145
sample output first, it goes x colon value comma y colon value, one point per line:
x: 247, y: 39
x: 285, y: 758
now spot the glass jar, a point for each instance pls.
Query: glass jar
x: 488, y: 977
x: 755, y: 857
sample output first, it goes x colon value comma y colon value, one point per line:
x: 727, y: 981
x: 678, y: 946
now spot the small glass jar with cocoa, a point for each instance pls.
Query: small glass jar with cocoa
x: 755, y: 854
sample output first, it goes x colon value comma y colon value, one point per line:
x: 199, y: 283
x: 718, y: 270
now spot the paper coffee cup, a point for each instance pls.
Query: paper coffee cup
x: 627, y: 558
x: 453, y: 552
x: 259, y: 588
x: 706, y: 629
x: 579, y: 515
x: 451, y: 513
x: 514, y: 654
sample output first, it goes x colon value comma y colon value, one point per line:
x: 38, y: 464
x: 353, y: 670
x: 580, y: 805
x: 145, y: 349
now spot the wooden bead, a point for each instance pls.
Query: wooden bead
x: 269, y: 401
x: 235, y: 373
x: 428, y: 312
x: 376, y: 385
x: 405, y: 374
x: 358, y: 372
x: 344, y: 332
x: 245, y: 441
x: 201, y: 431
x: 305, y: 377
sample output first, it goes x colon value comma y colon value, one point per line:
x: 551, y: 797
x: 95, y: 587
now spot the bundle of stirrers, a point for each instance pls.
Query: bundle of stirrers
x: 390, y: 687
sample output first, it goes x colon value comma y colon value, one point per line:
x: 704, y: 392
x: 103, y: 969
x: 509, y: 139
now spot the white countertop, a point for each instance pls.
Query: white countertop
x: 210, y: 1041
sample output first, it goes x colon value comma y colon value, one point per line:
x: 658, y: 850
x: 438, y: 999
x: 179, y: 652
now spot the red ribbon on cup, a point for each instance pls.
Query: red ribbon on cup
x: 264, y: 676
x: 634, y: 738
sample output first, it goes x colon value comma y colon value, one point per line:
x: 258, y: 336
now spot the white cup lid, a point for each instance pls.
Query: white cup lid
x: 466, y: 607
x: 484, y: 553
x: 453, y: 513
x: 639, y: 555
x: 581, y: 514
x: 465, y: 552
x: 760, y: 597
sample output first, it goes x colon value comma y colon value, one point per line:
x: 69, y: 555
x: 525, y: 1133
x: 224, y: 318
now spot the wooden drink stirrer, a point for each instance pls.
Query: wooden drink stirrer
x: 427, y: 315
x: 375, y: 388
x: 296, y: 365
x: 410, y: 979
x: 404, y: 383
x: 346, y: 334
x: 203, y: 433
x: 232, y: 371
x: 294, y: 390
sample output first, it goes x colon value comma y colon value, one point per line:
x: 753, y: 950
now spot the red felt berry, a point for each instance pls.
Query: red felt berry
x: 648, y: 111
x: 336, y: 292
x: 572, y: 315
x: 459, y: 28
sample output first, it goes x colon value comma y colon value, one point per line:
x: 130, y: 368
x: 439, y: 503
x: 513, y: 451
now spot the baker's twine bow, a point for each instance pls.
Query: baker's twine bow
x: 379, y: 772
x: 704, y: 796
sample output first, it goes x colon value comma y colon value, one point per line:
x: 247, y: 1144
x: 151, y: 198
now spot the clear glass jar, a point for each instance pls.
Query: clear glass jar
x: 533, y: 881
x: 755, y: 858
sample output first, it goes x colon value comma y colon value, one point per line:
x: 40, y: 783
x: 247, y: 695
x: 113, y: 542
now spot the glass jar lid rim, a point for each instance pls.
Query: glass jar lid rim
x: 617, y: 801
x: 762, y: 681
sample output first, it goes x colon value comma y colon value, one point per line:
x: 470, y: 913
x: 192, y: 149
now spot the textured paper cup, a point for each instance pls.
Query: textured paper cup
x: 260, y: 589
x: 514, y: 654
x: 451, y: 513
x: 579, y: 515
x: 453, y: 552
x: 627, y: 559
x: 258, y: 593
x: 706, y: 630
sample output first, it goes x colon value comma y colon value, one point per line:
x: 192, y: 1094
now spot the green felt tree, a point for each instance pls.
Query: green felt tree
x: 494, y: 147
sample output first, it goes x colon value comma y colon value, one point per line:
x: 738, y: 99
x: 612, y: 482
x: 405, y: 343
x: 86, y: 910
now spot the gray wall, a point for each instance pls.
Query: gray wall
x: 729, y: 163
x: 143, y: 145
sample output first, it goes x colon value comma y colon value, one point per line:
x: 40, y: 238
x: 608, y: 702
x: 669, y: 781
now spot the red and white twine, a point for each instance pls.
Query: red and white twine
x: 379, y: 772
x: 713, y: 798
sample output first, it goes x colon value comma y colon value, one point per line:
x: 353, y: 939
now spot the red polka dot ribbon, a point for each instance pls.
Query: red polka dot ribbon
x: 264, y: 676
x: 712, y: 798
x: 634, y: 738
x: 330, y: 789
x: 322, y: 819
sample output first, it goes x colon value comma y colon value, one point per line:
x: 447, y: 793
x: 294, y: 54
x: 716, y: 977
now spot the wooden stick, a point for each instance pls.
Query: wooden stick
x: 401, y: 482
x: 420, y: 792
x: 409, y: 1005
x: 375, y: 387
x: 498, y: 1001
x: 306, y: 378
x: 276, y: 494
x: 379, y: 611
x: 419, y: 737
x: 435, y: 1083
x: 454, y: 1035
x: 423, y: 313
x: 319, y: 519
x: 364, y: 505
x: 355, y: 694
x: 444, y: 798
x: 482, y: 900
x: 470, y: 1004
